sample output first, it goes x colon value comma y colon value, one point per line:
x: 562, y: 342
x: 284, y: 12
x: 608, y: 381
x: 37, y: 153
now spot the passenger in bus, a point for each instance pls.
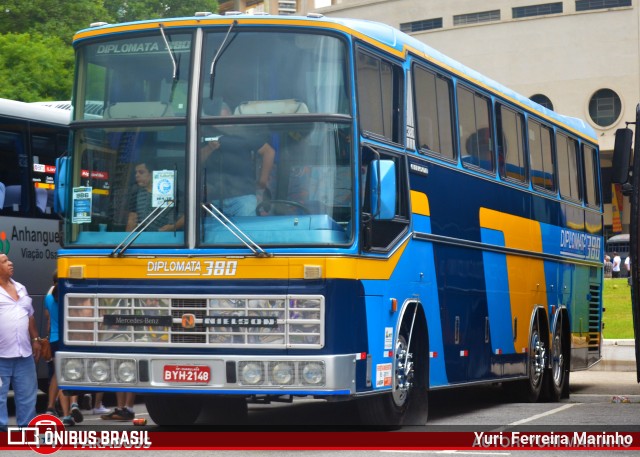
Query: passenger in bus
x: 19, y: 347
x: 140, y: 202
x: 228, y: 163
x: 479, y: 150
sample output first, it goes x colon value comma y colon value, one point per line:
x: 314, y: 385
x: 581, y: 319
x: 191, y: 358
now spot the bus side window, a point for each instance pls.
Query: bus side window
x: 475, y: 129
x: 511, y: 148
x: 2, y: 191
x: 12, y: 198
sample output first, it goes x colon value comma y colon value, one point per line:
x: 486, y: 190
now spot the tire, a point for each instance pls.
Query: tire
x: 557, y: 376
x: 408, y: 403
x: 529, y: 390
x: 173, y: 409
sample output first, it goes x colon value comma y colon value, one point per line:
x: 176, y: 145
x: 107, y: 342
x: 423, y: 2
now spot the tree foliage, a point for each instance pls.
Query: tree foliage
x: 36, y: 57
x: 35, y: 67
x: 133, y: 10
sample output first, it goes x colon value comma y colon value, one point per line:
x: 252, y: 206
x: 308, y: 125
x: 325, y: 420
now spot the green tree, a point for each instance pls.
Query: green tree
x: 36, y: 57
x: 61, y: 18
x: 134, y: 10
x: 34, y: 67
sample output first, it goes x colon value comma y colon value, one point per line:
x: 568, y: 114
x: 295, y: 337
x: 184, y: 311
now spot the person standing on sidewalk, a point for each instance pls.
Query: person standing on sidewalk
x: 616, y: 265
x: 19, y: 348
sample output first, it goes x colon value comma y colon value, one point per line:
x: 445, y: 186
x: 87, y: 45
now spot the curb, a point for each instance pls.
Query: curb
x: 617, y: 355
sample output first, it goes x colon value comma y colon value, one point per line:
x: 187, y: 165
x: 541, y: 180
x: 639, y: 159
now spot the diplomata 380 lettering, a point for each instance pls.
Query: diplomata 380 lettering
x: 192, y: 267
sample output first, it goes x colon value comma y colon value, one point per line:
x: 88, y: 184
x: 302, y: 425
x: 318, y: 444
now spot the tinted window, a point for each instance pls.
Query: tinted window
x: 379, y: 96
x: 567, y: 151
x: 592, y: 196
x: 433, y: 110
x: 475, y: 129
x: 511, y: 145
x: 541, y: 156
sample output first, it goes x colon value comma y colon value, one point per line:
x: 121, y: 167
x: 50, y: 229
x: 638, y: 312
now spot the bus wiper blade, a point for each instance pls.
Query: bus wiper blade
x: 235, y: 230
x: 141, y: 227
x: 219, y: 52
x: 176, y: 74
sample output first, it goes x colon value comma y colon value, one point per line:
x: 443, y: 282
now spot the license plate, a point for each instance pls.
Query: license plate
x: 194, y: 374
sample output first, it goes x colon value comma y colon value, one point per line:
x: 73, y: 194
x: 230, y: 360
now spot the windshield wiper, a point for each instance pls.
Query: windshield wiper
x: 235, y: 230
x: 176, y: 69
x: 141, y: 227
x: 219, y: 52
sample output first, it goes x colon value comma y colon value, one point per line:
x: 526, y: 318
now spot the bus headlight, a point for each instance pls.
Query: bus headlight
x: 281, y: 373
x: 312, y: 373
x: 99, y: 370
x: 73, y: 369
x: 125, y: 371
x: 251, y: 373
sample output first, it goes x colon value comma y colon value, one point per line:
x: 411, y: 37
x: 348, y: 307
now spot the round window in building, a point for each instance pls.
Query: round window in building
x: 605, y: 107
x: 542, y: 100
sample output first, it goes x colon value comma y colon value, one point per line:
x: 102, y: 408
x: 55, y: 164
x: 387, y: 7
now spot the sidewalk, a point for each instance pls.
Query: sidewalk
x: 605, y: 383
x: 617, y: 355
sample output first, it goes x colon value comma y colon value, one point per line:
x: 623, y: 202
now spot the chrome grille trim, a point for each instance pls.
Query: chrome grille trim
x: 224, y: 321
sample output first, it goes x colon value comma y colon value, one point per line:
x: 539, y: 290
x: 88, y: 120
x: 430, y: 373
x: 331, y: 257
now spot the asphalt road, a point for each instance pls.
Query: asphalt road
x: 600, y: 400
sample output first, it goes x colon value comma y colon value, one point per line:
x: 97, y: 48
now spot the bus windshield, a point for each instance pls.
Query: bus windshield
x: 262, y: 137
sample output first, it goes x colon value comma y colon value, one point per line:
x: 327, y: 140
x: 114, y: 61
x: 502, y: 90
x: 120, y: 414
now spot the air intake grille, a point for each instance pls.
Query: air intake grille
x: 287, y: 321
x: 593, y: 337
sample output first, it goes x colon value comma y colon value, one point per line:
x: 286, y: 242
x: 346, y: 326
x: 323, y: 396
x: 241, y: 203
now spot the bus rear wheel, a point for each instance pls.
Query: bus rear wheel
x: 558, y: 374
x: 173, y: 409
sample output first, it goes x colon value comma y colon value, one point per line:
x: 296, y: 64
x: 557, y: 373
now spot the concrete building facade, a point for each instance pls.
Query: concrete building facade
x: 580, y: 56
x: 278, y: 7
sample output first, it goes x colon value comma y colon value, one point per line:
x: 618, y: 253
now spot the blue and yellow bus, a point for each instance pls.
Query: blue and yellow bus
x: 412, y: 225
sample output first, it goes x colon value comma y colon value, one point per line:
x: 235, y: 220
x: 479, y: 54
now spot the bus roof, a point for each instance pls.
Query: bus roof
x: 622, y: 238
x: 34, y: 112
x: 389, y: 37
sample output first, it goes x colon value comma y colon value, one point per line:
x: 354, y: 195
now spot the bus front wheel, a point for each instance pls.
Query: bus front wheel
x: 407, y: 404
x: 528, y: 390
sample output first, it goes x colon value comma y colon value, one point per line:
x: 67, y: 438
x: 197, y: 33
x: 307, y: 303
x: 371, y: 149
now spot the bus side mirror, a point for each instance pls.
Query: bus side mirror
x: 383, y: 189
x: 622, y: 156
x: 60, y: 180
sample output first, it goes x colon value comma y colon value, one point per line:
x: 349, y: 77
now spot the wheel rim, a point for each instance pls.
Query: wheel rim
x: 404, y: 372
x: 537, y: 358
x: 557, y: 358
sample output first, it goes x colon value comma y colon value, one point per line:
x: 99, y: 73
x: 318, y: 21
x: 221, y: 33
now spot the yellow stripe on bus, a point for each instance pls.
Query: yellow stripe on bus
x: 226, y: 268
x: 526, y: 279
x: 420, y: 203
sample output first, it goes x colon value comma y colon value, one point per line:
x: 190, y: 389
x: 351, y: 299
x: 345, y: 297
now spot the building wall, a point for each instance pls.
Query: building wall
x: 260, y: 6
x: 567, y: 56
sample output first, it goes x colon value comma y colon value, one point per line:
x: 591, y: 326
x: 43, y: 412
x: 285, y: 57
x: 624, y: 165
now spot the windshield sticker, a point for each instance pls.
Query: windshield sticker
x: 163, y: 186
x: 81, y: 205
